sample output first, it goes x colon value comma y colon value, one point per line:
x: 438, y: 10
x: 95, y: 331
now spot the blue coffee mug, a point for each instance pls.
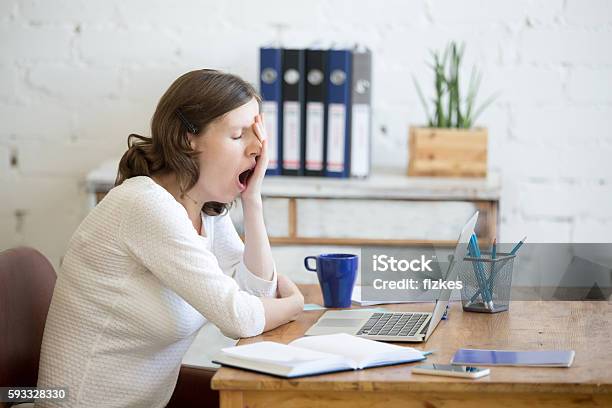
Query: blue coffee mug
x: 336, y: 273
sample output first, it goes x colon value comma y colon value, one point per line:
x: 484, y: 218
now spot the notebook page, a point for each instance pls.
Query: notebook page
x: 271, y: 352
x: 363, y: 352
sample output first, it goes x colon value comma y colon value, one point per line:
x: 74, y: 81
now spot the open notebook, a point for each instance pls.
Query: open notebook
x: 316, y: 355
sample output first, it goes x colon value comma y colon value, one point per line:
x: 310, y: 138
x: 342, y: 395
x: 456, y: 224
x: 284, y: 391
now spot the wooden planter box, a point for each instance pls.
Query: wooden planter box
x: 441, y: 152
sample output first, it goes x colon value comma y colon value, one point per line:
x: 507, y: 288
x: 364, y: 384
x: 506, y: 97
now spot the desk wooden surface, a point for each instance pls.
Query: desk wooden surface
x: 585, y: 327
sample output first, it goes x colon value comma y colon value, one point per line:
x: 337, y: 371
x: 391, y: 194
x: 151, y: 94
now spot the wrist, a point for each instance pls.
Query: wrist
x: 298, y: 302
x: 254, y: 201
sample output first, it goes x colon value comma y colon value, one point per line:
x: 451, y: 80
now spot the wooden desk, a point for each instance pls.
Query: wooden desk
x: 585, y: 327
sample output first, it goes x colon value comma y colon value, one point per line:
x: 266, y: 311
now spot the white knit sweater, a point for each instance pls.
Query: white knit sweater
x: 136, y: 285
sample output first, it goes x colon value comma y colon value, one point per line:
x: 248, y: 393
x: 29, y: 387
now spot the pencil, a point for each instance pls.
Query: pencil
x: 516, y: 248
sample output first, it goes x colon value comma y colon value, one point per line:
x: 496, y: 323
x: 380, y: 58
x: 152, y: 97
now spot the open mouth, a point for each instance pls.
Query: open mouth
x: 243, y: 178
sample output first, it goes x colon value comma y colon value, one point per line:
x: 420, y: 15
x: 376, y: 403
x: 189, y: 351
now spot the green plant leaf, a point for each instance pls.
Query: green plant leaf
x: 422, y: 98
x: 445, y: 57
x: 475, y: 81
x: 486, y: 103
x: 459, y: 112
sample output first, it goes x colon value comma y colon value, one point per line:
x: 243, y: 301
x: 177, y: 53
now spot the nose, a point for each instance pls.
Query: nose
x: 254, y: 145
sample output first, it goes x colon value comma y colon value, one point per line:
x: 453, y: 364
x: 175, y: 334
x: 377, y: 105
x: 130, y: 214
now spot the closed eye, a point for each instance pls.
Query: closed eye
x: 237, y: 137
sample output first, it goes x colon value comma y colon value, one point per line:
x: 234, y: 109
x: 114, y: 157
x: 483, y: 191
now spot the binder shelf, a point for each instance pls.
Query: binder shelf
x: 386, y: 209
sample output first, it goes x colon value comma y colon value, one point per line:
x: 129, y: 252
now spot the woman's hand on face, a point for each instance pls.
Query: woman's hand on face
x: 253, y: 190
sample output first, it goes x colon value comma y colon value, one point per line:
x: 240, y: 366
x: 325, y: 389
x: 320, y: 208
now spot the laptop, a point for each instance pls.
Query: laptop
x: 395, y: 326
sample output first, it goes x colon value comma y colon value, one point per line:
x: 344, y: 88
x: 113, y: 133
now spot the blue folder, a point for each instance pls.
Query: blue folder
x: 270, y: 72
x: 339, y: 113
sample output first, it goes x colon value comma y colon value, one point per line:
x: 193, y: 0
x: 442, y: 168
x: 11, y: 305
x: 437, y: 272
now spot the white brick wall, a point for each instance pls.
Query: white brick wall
x: 76, y: 77
x: 590, y: 85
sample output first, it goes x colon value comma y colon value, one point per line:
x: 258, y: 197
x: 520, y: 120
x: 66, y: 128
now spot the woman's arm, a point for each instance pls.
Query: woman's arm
x: 285, y: 309
x: 158, y: 235
x: 229, y: 250
x: 281, y: 299
x: 257, y: 252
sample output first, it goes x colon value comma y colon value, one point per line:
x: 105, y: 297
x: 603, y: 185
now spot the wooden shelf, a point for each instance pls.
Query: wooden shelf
x: 309, y: 201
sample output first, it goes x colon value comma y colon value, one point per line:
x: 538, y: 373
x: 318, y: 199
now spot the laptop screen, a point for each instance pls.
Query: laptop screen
x: 459, y: 253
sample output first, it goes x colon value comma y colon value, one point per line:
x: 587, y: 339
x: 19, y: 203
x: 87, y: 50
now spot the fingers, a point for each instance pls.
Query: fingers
x: 258, y: 127
x: 257, y: 131
x: 262, y: 161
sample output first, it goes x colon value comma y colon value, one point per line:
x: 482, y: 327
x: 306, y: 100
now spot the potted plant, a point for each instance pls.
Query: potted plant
x: 450, y: 145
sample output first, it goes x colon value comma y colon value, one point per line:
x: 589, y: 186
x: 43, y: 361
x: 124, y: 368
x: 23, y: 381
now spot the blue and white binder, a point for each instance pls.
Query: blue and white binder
x: 270, y: 79
x: 339, y: 65
x: 361, y: 116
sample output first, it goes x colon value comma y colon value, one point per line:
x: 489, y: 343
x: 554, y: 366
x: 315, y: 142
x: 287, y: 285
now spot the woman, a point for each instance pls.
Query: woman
x: 159, y: 256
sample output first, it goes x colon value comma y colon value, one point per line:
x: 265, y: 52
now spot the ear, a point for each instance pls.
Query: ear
x: 191, y: 140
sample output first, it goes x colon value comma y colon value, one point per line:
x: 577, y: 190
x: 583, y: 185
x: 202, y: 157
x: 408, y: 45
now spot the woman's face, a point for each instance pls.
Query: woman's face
x: 228, y: 148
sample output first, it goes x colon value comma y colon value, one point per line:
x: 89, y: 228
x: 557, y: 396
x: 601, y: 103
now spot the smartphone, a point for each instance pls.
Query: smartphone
x: 449, y: 370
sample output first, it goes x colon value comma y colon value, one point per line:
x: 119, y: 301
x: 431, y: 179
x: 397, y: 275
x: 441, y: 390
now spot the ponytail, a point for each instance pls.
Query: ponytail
x: 137, y: 160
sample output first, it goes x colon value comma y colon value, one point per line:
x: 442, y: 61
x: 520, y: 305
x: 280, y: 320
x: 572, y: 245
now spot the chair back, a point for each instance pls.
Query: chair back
x: 27, y: 280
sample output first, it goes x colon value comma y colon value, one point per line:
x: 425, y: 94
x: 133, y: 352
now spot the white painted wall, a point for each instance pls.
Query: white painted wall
x: 76, y: 77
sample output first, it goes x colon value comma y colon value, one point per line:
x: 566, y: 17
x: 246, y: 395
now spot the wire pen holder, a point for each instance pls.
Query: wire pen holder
x: 487, y: 282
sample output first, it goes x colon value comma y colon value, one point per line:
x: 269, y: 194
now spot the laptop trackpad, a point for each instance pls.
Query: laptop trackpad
x: 339, y: 322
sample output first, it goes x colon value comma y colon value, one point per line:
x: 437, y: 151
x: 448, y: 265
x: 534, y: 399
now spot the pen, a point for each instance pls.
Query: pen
x: 479, y: 272
x: 494, y: 271
x: 516, y: 248
x: 489, y: 298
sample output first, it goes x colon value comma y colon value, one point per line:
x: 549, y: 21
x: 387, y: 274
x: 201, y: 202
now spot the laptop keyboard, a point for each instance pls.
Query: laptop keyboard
x: 393, y: 324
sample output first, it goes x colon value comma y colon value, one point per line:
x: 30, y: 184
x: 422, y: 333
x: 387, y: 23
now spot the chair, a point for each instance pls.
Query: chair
x: 193, y: 389
x: 27, y: 280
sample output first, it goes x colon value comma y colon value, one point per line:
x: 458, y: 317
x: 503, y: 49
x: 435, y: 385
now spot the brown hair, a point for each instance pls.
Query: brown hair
x: 192, y: 102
